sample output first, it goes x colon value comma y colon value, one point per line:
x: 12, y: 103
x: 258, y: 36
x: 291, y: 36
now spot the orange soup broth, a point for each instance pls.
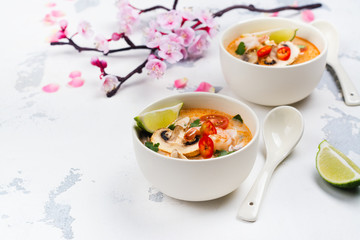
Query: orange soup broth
x: 307, y: 53
x: 243, y: 131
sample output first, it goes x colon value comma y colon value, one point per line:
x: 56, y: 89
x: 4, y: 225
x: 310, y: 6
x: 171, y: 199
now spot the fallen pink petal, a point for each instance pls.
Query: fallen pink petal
x: 307, y: 15
x: 51, y: 88
x: 275, y: 14
x: 48, y: 19
x: 205, y: 87
x: 76, y: 82
x: 181, y: 82
x: 57, y: 13
x: 75, y: 74
x: 50, y: 4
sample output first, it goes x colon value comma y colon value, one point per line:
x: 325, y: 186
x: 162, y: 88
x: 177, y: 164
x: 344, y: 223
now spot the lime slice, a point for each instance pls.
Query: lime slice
x: 160, y: 118
x: 336, y: 168
x: 286, y: 34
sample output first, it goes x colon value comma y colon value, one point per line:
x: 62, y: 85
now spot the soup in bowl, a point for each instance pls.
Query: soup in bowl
x: 272, y: 73
x: 195, y: 177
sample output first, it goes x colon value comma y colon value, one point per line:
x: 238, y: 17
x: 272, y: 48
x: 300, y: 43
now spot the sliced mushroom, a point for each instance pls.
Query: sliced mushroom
x: 269, y: 61
x: 174, y: 139
x: 183, y: 122
x: 176, y: 154
x: 250, y: 56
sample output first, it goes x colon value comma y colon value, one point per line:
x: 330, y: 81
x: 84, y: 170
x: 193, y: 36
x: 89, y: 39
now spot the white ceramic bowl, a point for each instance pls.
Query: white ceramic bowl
x: 268, y: 85
x: 199, y: 180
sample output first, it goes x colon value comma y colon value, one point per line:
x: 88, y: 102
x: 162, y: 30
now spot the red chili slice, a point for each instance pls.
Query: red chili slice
x: 283, y: 53
x: 264, y: 51
x: 206, y: 146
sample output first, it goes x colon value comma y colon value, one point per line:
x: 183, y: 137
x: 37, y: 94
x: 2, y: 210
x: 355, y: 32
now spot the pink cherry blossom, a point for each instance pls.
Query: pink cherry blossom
x: 84, y: 28
x: 187, y: 14
x: 170, y: 51
x: 63, y: 24
x: 59, y: 35
x: 208, y: 23
x: 76, y: 82
x: 154, y: 40
x: 151, y: 29
x: 51, y: 88
x: 169, y: 20
x: 206, y: 18
x: 98, y: 63
x: 205, y: 87
x: 121, y: 3
x: 110, y: 83
x: 184, y: 52
x: 117, y: 36
x: 181, y: 82
x: 187, y: 34
x: 62, y: 33
x: 199, y: 45
x: 102, y: 44
x: 127, y: 16
x: 212, y: 31
x: 307, y: 15
x: 155, y: 66
x: 125, y: 27
x: 172, y: 37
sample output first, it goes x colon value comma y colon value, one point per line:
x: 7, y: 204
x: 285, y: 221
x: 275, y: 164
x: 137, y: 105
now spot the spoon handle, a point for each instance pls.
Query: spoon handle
x: 351, y: 96
x: 249, y: 209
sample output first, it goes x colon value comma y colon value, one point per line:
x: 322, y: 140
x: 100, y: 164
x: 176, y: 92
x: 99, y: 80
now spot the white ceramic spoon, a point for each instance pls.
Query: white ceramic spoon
x: 351, y: 95
x: 283, y: 128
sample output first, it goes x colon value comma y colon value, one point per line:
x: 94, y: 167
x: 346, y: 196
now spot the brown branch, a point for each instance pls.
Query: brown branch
x: 138, y: 69
x: 154, y: 8
x: 83, y: 49
x: 77, y: 47
x: 252, y: 8
x: 175, y: 4
x: 128, y: 48
x: 158, y: 7
x: 128, y: 41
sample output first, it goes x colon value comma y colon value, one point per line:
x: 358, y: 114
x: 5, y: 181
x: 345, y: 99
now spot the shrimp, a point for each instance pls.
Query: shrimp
x: 223, y: 139
x: 250, y: 41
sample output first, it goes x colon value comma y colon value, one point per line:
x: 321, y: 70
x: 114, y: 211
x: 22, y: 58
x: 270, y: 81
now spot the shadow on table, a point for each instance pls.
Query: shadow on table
x: 210, y: 204
x: 338, y: 193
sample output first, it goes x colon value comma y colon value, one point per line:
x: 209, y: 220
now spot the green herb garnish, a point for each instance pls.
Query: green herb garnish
x: 195, y: 123
x: 171, y: 126
x: 301, y: 46
x: 219, y: 153
x: 240, y: 49
x: 238, y: 118
x: 154, y: 147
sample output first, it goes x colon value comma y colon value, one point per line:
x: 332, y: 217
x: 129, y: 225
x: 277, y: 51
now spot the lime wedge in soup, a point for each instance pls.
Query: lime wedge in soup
x: 286, y: 34
x: 160, y: 118
x: 336, y: 168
